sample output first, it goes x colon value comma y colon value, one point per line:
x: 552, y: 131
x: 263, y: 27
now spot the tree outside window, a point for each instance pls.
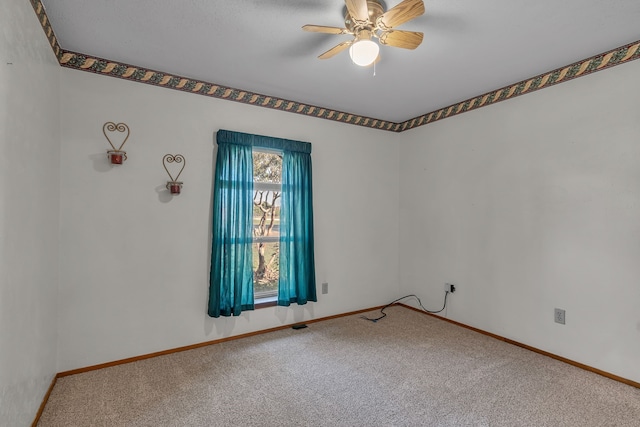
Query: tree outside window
x: 267, y: 178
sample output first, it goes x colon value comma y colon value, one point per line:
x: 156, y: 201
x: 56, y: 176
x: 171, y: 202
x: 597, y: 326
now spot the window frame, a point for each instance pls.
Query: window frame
x: 266, y: 298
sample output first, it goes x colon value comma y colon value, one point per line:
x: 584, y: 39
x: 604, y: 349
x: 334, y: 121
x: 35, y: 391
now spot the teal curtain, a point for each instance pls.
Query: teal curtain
x: 297, y: 282
x: 231, y: 276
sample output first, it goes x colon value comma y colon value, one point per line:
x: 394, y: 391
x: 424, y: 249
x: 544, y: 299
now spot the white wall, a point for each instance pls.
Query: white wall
x: 532, y: 204
x: 29, y: 207
x: 135, y: 261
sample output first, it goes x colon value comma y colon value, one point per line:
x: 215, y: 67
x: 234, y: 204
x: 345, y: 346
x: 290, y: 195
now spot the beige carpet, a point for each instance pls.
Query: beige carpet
x: 406, y: 370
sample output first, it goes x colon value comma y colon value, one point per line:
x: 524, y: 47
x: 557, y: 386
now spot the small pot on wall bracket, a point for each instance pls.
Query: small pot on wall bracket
x: 174, y: 186
x: 116, y: 156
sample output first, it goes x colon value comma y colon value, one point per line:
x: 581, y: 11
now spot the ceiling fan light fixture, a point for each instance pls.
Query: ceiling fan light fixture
x: 364, y: 52
x: 366, y: 20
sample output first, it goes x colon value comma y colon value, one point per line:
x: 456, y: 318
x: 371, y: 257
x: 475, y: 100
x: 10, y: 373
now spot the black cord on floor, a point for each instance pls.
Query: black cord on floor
x: 404, y: 297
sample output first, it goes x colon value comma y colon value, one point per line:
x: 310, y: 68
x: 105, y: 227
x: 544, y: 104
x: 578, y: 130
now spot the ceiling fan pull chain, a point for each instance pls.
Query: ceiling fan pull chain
x: 374, y: 69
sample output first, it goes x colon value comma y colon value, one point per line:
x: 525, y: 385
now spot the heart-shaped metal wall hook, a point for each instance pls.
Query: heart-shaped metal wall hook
x: 113, y: 127
x: 170, y: 158
x: 174, y: 186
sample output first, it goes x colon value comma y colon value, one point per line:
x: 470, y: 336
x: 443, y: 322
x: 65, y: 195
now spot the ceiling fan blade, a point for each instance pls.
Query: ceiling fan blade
x: 327, y: 30
x: 336, y: 50
x: 358, y: 9
x: 401, y: 13
x: 403, y: 39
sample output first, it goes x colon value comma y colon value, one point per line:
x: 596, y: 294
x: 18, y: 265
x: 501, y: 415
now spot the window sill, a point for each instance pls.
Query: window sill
x: 265, y: 302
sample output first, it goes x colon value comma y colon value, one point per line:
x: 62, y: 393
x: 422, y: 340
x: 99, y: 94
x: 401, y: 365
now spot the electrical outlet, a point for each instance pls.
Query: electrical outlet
x: 325, y: 288
x: 450, y: 287
x: 558, y: 316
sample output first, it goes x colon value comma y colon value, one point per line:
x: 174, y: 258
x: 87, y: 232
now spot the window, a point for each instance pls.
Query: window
x: 262, y: 235
x: 267, y: 191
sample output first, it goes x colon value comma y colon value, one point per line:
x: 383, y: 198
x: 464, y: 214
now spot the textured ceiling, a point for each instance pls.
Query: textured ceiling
x: 469, y: 48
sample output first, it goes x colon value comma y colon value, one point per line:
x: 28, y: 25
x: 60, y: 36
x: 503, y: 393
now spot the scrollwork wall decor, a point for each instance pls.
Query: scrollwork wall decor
x: 174, y: 186
x: 116, y: 156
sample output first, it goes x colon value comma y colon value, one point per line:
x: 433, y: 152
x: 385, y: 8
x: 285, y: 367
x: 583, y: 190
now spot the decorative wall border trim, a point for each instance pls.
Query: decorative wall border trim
x: 41, y: 13
x: 131, y: 72
x: 577, y: 69
x: 101, y: 66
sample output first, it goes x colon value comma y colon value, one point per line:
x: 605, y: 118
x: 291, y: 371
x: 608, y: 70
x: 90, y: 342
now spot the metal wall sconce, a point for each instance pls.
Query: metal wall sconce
x: 116, y: 156
x: 174, y: 186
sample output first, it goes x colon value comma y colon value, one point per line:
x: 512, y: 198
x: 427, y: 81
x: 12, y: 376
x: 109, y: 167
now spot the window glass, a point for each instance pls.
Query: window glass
x: 267, y: 175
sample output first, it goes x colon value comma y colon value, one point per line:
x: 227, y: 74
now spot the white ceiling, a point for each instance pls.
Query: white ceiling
x: 470, y: 47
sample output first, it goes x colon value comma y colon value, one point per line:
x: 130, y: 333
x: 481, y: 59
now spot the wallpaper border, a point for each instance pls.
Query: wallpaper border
x: 41, y: 13
x: 131, y: 72
x: 585, y: 67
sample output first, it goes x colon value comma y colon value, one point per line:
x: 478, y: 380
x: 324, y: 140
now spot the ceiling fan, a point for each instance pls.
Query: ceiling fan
x: 367, y: 20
